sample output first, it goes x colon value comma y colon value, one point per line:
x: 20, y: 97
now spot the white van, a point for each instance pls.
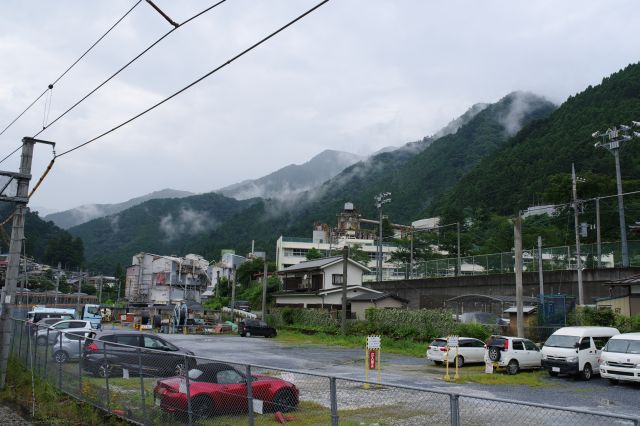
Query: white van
x: 575, y: 350
x: 620, y: 358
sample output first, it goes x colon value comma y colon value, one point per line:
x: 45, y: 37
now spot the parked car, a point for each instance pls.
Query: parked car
x: 68, y: 346
x: 51, y: 332
x: 218, y: 388
x: 108, y: 352
x: 620, y: 358
x: 40, y: 320
x: 250, y: 327
x: 513, y: 353
x: 469, y: 350
x: 575, y: 350
x: 243, y: 305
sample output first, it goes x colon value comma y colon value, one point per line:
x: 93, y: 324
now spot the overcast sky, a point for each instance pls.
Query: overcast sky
x: 356, y: 75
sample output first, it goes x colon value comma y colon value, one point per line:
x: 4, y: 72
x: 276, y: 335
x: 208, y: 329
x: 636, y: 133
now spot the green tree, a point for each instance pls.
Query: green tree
x: 356, y: 253
x: 313, y: 253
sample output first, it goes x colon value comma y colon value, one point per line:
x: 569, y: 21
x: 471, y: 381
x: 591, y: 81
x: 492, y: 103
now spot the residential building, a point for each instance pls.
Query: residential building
x: 160, y: 280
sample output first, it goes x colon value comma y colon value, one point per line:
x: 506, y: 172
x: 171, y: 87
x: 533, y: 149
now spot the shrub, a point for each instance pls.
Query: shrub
x: 478, y: 331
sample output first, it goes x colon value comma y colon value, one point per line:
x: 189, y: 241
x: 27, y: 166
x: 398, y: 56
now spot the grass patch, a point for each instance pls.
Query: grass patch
x: 400, y: 346
x: 52, y: 406
x: 527, y: 378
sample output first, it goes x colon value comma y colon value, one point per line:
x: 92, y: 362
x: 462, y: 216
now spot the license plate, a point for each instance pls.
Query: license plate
x: 555, y: 369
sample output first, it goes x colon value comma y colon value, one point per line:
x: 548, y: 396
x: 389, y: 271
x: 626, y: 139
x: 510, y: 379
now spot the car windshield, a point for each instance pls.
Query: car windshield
x: 623, y: 346
x: 560, y: 341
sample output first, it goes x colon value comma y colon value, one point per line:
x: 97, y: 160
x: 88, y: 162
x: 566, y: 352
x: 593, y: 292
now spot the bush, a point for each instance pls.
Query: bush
x: 478, y: 331
x: 419, y: 324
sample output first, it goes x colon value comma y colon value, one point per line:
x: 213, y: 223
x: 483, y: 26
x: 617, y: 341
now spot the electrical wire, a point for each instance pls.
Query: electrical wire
x: 247, y: 50
x: 152, y: 45
x: 50, y: 86
x: 11, y: 153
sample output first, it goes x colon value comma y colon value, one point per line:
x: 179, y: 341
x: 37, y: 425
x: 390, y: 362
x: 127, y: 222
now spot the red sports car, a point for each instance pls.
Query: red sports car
x: 218, y: 388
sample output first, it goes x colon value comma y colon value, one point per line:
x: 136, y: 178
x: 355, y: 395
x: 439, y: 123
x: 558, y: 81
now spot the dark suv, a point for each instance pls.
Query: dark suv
x: 109, y: 352
x: 252, y: 327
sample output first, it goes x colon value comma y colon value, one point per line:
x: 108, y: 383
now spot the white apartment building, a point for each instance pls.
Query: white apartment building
x: 293, y: 250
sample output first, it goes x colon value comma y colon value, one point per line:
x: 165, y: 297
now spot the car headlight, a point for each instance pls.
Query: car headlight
x: 572, y: 359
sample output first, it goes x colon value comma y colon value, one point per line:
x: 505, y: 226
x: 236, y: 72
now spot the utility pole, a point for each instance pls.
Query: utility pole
x: 8, y: 297
x: 381, y: 199
x: 79, y: 291
x: 345, y: 261
x: 598, y: 238
x: 411, y: 255
x: 517, y: 234
x: 611, y: 140
x: 459, y: 262
x: 540, y: 271
x: 233, y: 296
x: 574, y: 191
x: 55, y: 299
x: 264, y: 290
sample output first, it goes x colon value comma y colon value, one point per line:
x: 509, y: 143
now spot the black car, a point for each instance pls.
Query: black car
x: 256, y: 328
x: 110, y: 352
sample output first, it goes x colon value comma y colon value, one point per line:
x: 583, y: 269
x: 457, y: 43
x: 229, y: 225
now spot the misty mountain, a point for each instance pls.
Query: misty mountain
x: 293, y: 179
x: 78, y: 215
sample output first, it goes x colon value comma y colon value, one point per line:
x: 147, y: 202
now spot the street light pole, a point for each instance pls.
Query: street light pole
x: 380, y: 199
x: 611, y: 140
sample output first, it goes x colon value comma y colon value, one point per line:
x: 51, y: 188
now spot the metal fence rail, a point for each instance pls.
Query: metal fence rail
x: 160, y: 386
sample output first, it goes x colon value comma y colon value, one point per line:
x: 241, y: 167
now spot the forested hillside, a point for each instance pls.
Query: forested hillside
x: 534, y: 167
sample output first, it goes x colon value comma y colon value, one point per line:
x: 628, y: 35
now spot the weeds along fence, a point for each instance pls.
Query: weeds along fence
x: 129, y: 377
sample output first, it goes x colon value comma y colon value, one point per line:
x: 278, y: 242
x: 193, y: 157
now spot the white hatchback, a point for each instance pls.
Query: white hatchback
x: 469, y: 350
x: 513, y: 353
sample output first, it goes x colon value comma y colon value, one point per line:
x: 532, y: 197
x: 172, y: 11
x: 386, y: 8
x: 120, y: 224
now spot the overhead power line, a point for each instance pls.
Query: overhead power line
x: 244, y: 52
x: 138, y: 56
x: 50, y: 86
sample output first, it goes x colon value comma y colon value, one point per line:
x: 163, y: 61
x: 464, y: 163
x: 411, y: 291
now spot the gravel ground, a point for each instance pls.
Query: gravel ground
x: 8, y: 417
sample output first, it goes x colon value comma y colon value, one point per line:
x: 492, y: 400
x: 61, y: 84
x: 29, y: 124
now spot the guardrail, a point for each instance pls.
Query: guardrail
x: 153, y: 385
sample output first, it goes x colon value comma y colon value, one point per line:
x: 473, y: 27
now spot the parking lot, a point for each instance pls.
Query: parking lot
x: 594, y: 395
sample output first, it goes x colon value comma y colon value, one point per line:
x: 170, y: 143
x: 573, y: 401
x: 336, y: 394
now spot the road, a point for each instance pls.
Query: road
x: 595, y: 395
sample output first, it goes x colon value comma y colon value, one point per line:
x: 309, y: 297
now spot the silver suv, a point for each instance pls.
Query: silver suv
x: 68, y: 345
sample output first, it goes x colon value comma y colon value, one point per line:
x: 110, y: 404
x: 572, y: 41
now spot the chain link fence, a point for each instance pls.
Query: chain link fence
x: 145, y: 379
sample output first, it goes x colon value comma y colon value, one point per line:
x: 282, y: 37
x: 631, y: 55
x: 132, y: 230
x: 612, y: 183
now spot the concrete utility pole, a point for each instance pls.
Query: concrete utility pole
x: 611, y: 140
x: 264, y: 289
x: 381, y: 199
x: 233, y: 295
x: 575, y: 225
x: 345, y: 261
x: 7, y: 302
x: 540, y: 271
x: 598, y: 238
x: 459, y: 261
x: 55, y: 299
x: 517, y: 234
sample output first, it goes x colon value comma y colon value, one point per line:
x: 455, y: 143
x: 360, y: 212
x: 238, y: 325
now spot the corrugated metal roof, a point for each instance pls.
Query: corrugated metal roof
x: 375, y: 297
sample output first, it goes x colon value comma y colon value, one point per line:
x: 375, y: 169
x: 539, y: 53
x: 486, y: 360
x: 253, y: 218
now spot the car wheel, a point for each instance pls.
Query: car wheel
x: 586, y: 373
x: 613, y: 381
x: 202, y: 407
x: 60, y: 357
x: 494, y: 353
x: 243, y: 335
x: 553, y: 373
x: 460, y: 359
x: 513, y: 367
x: 284, y: 401
x: 41, y: 341
x: 104, y: 370
x: 437, y: 362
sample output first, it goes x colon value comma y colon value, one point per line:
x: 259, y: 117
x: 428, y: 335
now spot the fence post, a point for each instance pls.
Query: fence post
x: 22, y: 326
x: 35, y: 352
x: 186, y: 379
x: 107, y: 371
x: 80, y: 361
x: 46, y: 354
x: 59, y: 364
x: 13, y: 336
x: 334, y: 401
x: 454, y: 402
x: 144, y: 406
x: 250, y: 395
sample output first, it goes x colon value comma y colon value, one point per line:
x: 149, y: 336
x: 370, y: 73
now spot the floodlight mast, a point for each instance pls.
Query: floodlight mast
x: 611, y: 140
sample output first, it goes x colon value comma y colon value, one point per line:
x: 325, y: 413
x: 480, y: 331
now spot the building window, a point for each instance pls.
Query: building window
x: 336, y: 279
x: 295, y: 252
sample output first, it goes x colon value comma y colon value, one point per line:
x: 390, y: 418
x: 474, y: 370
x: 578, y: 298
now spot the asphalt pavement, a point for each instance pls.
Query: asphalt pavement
x: 595, y: 395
